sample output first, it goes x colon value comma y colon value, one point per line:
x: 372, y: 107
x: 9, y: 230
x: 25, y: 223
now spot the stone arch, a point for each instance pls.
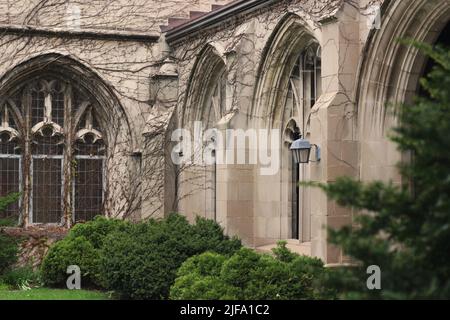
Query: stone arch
x: 390, y: 70
x: 389, y: 74
x: 67, y: 67
x: 197, y: 183
x: 209, y: 64
x: 279, y: 208
x: 289, y: 38
x: 110, y: 114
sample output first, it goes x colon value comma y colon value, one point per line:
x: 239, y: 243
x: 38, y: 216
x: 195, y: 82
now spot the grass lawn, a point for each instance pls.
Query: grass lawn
x: 52, y: 294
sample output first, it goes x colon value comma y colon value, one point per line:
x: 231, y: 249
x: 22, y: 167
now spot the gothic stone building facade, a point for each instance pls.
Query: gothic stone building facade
x: 92, y: 92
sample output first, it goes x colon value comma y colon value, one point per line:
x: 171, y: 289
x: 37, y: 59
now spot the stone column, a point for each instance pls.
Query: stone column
x: 333, y: 126
x: 158, y: 172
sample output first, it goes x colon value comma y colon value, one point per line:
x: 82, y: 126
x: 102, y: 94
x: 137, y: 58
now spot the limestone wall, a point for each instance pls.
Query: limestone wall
x: 137, y: 15
x: 257, y: 207
x: 362, y: 70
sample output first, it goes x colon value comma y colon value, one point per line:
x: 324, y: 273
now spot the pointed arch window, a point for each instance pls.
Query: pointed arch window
x: 304, y: 89
x: 54, y: 153
x: 218, y: 102
x: 215, y: 109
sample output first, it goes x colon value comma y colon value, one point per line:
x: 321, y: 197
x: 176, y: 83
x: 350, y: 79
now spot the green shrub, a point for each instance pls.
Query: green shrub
x: 135, y: 260
x: 206, y: 264
x: 71, y: 251
x: 282, y: 253
x: 141, y: 262
x: 8, y: 252
x: 96, y: 230
x: 5, y: 202
x: 9, y: 222
x: 8, y: 200
x: 196, y: 287
x: 259, y: 276
x: 248, y: 275
x: 199, y: 278
x: 81, y: 247
x: 208, y: 234
x: 21, y: 278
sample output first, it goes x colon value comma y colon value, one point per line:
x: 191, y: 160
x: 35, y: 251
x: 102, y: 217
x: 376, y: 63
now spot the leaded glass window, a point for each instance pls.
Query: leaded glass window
x: 52, y: 149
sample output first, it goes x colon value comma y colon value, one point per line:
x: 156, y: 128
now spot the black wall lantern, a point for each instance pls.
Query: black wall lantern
x: 302, y: 151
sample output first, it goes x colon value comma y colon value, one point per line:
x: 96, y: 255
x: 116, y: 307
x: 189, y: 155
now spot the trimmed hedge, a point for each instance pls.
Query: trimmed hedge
x: 71, y: 251
x: 80, y: 247
x: 137, y: 261
x: 95, y: 231
x: 141, y: 263
x: 199, y: 278
x: 248, y: 275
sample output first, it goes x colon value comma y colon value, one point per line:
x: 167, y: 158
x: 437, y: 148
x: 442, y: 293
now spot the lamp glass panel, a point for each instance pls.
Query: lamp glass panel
x: 296, y: 156
x: 304, y: 155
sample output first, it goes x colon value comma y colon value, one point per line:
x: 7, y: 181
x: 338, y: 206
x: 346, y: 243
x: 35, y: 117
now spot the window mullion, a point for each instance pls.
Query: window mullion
x: 27, y: 211
x: 67, y: 160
